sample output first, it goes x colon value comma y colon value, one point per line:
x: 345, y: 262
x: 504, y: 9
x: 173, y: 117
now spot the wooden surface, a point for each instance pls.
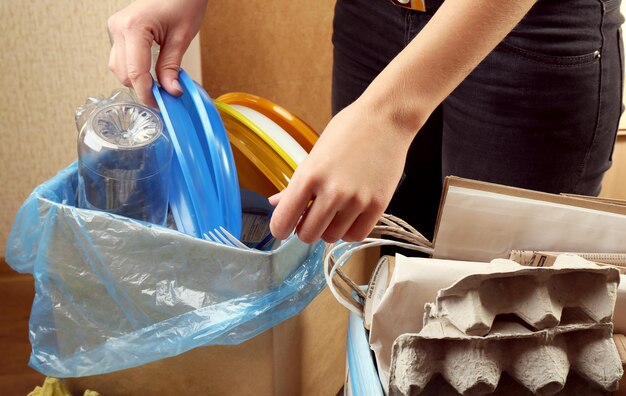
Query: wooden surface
x: 277, y: 49
x: 16, y: 298
x: 614, y: 183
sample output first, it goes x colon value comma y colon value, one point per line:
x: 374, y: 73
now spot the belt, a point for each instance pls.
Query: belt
x: 418, y: 5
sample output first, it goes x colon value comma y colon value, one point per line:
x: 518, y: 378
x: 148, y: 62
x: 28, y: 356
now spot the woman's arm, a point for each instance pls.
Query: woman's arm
x: 458, y: 37
x: 346, y: 183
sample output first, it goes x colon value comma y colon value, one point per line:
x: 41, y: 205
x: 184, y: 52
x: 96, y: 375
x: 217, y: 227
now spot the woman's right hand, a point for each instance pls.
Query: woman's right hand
x: 172, y: 24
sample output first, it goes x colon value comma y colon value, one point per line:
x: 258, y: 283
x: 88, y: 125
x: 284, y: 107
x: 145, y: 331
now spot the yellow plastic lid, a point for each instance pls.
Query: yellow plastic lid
x: 271, y: 142
x: 297, y: 128
x: 259, y: 166
x: 276, y: 132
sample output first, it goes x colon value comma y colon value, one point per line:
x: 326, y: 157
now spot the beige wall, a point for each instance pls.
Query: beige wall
x: 53, y: 55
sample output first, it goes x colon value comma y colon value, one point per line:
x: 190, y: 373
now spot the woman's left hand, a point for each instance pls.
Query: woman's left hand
x: 348, y: 179
x: 345, y: 184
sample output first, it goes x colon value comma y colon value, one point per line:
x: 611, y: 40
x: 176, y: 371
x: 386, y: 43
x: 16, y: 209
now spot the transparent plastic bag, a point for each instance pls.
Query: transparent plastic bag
x: 114, y: 293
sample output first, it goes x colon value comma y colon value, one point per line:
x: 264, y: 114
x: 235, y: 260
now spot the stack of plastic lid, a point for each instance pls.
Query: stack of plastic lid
x: 268, y: 141
x: 204, y: 187
x: 238, y: 141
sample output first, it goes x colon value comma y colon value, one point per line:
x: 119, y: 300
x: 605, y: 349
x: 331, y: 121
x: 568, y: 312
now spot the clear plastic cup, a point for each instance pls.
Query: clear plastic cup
x: 124, y: 162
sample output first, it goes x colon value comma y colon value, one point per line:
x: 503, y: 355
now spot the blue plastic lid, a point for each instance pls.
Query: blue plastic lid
x: 213, y: 139
x: 194, y: 200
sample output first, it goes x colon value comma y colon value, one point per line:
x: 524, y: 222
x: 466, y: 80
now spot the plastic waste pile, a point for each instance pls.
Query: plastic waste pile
x: 156, y: 241
x: 204, y: 164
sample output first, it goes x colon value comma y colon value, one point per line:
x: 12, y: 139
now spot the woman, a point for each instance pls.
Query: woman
x: 519, y: 92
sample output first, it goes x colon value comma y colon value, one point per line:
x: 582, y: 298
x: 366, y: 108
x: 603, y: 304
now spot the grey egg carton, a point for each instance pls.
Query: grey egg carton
x: 570, y: 359
x: 575, y: 386
x: 538, y: 296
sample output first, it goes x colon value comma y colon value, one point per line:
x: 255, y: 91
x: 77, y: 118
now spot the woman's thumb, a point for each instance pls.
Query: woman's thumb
x: 168, y: 66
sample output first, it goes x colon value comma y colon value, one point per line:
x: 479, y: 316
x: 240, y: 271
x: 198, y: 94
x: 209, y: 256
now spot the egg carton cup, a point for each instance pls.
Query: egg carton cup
x: 574, y: 386
x: 540, y: 297
x: 538, y: 362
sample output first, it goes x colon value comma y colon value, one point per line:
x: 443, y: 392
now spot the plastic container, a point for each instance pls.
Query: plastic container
x: 124, y: 162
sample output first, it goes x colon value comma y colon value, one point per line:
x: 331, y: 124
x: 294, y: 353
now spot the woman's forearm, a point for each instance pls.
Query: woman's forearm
x: 458, y: 37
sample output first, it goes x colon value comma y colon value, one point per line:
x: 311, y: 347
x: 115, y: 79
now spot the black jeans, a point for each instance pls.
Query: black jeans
x: 540, y: 112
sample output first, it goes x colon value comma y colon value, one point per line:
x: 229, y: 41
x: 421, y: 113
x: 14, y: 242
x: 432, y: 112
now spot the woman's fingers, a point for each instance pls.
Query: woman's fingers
x: 275, y: 199
x: 293, y: 202
x: 315, y: 210
x: 168, y: 65
x: 329, y: 216
x: 362, y: 226
x: 117, y: 61
x: 138, y: 60
x: 316, y: 219
x: 340, y: 224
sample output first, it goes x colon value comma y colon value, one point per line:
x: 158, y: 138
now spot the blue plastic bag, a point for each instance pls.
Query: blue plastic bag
x: 114, y: 293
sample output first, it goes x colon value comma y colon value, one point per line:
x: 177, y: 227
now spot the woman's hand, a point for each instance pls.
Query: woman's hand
x: 352, y: 172
x: 172, y: 24
x: 342, y: 188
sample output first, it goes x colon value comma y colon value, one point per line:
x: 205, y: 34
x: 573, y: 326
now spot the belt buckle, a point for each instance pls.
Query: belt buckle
x: 419, y: 5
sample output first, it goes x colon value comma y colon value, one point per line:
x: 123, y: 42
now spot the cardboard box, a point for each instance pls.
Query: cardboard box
x: 480, y: 221
x: 304, y: 355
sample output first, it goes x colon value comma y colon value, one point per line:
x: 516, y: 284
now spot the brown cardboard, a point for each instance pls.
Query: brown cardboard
x: 304, y: 355
x: 481, y: 221
x: 588, y: 203
x: 276, y: 49
x: 620, y: 343
x: 614, y: 201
